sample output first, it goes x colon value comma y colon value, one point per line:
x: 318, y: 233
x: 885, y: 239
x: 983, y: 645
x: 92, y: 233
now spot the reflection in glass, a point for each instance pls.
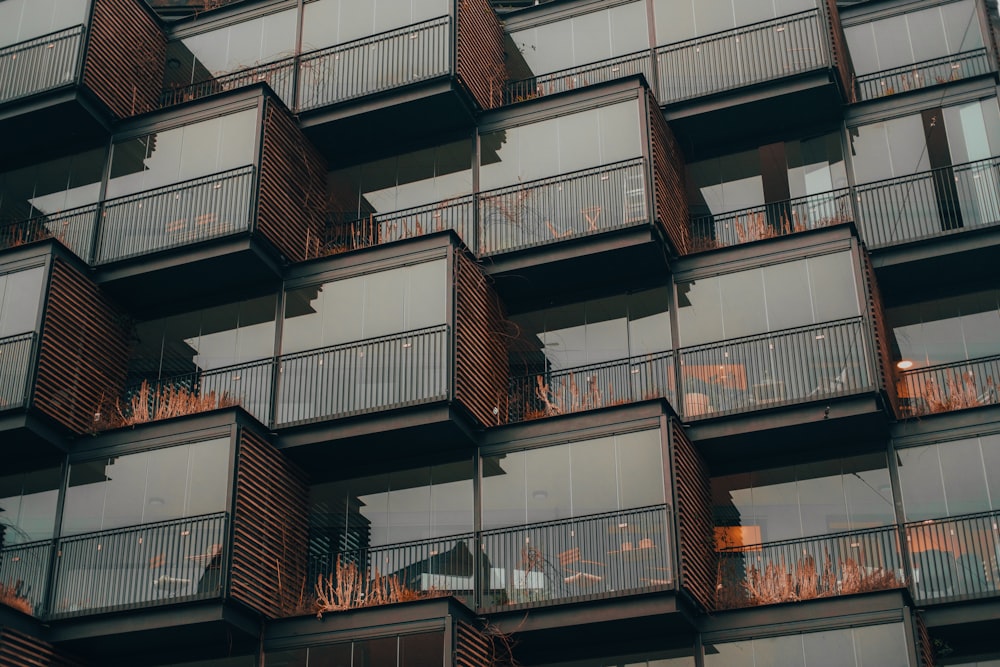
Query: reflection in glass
x: 883, y: 645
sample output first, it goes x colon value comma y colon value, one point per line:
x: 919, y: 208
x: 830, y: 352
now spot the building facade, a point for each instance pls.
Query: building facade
x: 572, y: 333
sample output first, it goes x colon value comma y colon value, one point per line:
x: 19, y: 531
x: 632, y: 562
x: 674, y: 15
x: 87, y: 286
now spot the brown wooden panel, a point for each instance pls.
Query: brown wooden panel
x: 839, y: 52
x: 472, y: 648
x: 21, y: 650
x: 480, y: 53
x: 669, y: 191
x: 126, y: 56
x: 84, y: 351
x: 695, y: 528
x: 270, y: 541
x: 292, y: 188
x: 880, y: 333
x: 925, y: 648
x: 481, y: 366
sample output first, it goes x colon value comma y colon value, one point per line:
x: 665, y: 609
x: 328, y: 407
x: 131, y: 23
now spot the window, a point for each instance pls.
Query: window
x: 51, y: 187
x: 883, y: 645
x: 28, y: 505
x: 21, y: 20
x: 941, y: 331
x: 331, y: 22
x: 680, y: 20
x: 20, y: 300
x: 412, y: 650
x: 950, y: 478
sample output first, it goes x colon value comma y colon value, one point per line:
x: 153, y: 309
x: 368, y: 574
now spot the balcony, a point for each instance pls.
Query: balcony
x: 579, y: 77
x: 41, y: 64
x: 924, y: 74
x: 805, y: 569
x: 771, y: 220
x: 954, y: 558
x: 948, y: 387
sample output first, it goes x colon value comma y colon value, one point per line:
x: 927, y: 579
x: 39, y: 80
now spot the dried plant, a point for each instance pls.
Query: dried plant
x: 960, y: 391
x: 754, y: 226
x: 351, y: 587
x: 163, y: 402
x: 12, y: 596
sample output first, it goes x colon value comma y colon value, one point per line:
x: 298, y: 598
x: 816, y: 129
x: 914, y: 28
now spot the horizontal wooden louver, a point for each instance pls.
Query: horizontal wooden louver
x: 669, y: 192
x: 480, y: 53
x: 693, y: 506
x: 292, y: 188
x: 21, y: 650
x: 481, y: 366
x: 925, y: 648
x: 84, y: 352
x: 876, y: 312
x: 126, y: 56
x: 270, y: 541
x: 472, y: 649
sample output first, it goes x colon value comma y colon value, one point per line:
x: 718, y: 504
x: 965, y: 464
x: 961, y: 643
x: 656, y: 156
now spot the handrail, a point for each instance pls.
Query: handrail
x: 922, y: 74
x: 39, y: 64
x: 951, y: 386
x: 74, y: 227
x: 266, y: 72
x: 24, y: 574
x: 562, y: 80
x: 954, y: 558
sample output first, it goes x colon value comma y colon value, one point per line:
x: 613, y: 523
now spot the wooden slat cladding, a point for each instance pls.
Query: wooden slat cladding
x: 839, y: 52
x: 472, y: 648
x: 480, y: 53
x: 693, y: 507
x: 481, y: 367
x: 669, y: 192
x: 292, y: 204
x: 925, y: 648
x: 270, y: 541
x: 876, y: 314
x: 21, y: 650
x: 84, y: 351
x: 126, y: 56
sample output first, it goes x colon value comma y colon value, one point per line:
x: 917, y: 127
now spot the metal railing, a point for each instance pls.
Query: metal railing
x: 16, y: 364
x: 589, y: 557
x: 364, y: 376
x: 771, y: 220
x: 558, y: 208
x: 374, y: 64
x: 280, y: 75
x: 40, y: 64
x: 931, y: 203
x: 73, y: 227
x: 743, y: 56
x: 24, y: 573
x: 802, y: 569
x: 176, y: 215
x: 956, y: 558
x: 578, y: 77
x: 946, y: 387
x: 922, y: 74
x: 557, y: 392
x: 348, y: 232
x: 806, y: 363
x: 141, y: 566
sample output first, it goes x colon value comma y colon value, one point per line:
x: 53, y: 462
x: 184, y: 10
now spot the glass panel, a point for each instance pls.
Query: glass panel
x: 451, y: 499
x: 649, y: 322
x: 714, y: 16
x: 834, y: 292
x: 921, y: 483
x: 620, y: 135
x: 961, y: 26
x: 293, y: 658
x: 28, y: 505
x: 699, y: 315
x: 504, y: 490
x: 84, y: 505
x: 423, y: 650
x: 991, y: 462
x: 426, y: 295
x: 926, y: 34
x: 20, y: 300
x: 380, y: 652
x: 125, y: 494
x: 868, y: 491
x: 882, y: 645
x: 164, y: 497
x: 784, y: 651
x: 409, y: 505
x: 777, y: 512
x: 964, y: 474
x: 591, y: 37
x: 629, y: 28
x: 592, y: 467
x: 834, y: 648
x: 743, y: 304
x: 893, y: 42
x: 789, y: 302
x: 733, y: 654
x: 861, y: 44
x: 674, y: 20
x: 547, y: 484
x: 822, y: 503
x: 338, y: 655
x: 640, y: 469
x: 870, y: 150
x: 208, y: 477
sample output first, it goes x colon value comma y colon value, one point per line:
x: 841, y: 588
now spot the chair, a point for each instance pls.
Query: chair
x: 571, y: 561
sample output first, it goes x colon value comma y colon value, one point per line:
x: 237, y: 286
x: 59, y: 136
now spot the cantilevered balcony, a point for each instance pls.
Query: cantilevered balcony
x: 929, y: 204
x: 924, y: 74
x: 847, y: 563
x: 578, y: 77
x: 946, y: 387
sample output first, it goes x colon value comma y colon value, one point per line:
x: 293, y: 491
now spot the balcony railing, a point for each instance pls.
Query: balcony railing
x: 365, y: 376
x: 15, y: 369
x: 569, y: 390
x: 24, y: 571
x: 955, y: 558
x: 176, y: 215
x: 932, y: 203
x: 741, y: 57
x: 149, y: 565
x: 74, y: 227
x: 804, y: 569
x: 554, y: 209
x: 771, y: 220
x: 348, y: 232
x: 374, y: 64
x: 280, y: 75
x: 756, y: 372
x: 947, y: 387
x: 922, y: 74
x: 578, y: 77
x: 39, y: 64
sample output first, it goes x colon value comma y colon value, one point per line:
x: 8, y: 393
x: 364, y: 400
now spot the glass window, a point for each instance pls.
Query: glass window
x: 28, y: 505
x: 947, y: 330
x: 891, y: 148
x: 21, y: 20
x: 851, y: 647
x: 949, y: 479
x: 51, y: 187
x: 20, y: 300
x: 331, y: 22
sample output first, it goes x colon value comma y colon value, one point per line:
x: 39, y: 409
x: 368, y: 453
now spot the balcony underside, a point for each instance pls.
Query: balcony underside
x: 757, y: 437
x: 144, y: 284
x: 710, y: 125
x: 343, y: 131
x: 49, y: 124
x: 536, y: 275
x: 31, y: 437
x: 970, y: 627
x: 403, y: 433
x: 171, y: 634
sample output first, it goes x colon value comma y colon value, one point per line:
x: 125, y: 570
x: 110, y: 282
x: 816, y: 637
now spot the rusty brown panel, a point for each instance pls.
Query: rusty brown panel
x: 126, y: 57
x: 20, y: 650
x: 693, y: 507
x: 839, y: 52
x: 270, y: 542
x: 481, y: 362
x: 876, y: 312
x: 925, y: 648
x: 480, y: 53
x: 84, y: 351
x: 670, y: 193
x: 292, y: 188
x: 472, y: 648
